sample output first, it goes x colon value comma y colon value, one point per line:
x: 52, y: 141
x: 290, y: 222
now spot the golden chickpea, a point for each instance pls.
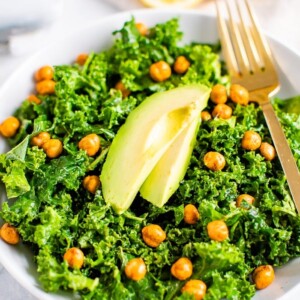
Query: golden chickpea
x: 153, y: 235
x: 121, y: 87
x: 44, y: 73
x: 9, y: 234
x: 53, y: 148
x: 267, y: 151
x: 90, y: 144
x: 182, y: 269
x: 34, y: 99
x: 205, y: 116
x: 215, y: 161
x: 181, y: 65
x: 9, y: 127
x: 191, y: 214
x: 45, y: 87
x: 251, y: 140
x: 218, y: 94
x: 40, y: 139
x: 142, y: 28
x: 74, y: 257
x: 217, y: 230
x: 222, y: 111
x: 263, y: 276
x: 196, y: 288
x: 82, y: 58
x: 238, y: 94
x: 244, y: 197
x: 91, y: 183
x: 160, y: 71
x: 135, y: 269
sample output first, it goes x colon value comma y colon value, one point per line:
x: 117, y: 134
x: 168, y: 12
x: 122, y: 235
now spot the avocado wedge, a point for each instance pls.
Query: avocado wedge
x: 165, y: 178
x: 149, y: 131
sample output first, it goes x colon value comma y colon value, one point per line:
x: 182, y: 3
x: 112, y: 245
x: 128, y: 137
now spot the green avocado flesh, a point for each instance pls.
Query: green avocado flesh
x: 142, y: 141
x: 164, y: 179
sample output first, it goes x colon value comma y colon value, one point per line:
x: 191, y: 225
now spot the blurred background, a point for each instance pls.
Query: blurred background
x: 29, y: 25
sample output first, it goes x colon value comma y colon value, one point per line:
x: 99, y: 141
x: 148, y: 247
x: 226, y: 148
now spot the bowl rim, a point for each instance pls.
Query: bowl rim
x: 147, y: 11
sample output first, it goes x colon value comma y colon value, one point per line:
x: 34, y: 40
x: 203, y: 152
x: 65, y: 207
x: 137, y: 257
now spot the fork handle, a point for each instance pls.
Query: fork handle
x: 284, y: 152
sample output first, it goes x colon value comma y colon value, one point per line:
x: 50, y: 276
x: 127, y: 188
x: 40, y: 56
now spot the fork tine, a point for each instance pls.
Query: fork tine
x: 259, y: 39
x: 246, y: 49
x: 249, y: 43
x: 237, y: 42
x: 228, y: 51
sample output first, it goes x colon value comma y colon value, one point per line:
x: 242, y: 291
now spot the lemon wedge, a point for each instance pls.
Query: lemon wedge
x: 170, y: 3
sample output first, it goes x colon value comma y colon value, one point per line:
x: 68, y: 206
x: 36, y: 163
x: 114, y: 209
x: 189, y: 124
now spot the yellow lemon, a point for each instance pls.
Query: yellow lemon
x: 170, y: 3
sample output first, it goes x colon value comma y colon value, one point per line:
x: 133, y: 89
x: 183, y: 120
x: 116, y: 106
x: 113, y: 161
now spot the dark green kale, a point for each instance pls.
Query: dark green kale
x: 53, y: 212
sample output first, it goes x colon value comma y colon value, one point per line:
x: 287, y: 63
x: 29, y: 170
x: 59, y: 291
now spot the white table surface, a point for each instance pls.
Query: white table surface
x: 278, y: 18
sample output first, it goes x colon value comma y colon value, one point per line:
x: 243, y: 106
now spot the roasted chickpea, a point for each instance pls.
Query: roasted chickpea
x: 238, y: 94
x: 40, y: 139
x: 53, y: 148
x: 205, y: 116
x: 218, y: 94
x: 90, y: 144
x: 142, y: 28
x: 121, y: 87
x: 153, y: 235
x: 181, y: 65
x: 215, y: 161
x: 34, y: 99
x: 244, y: 197
x: 191, y: 214
x: 251, y: 140
x: 222, y: 111
x: 45, y: 87
x: 44, y: 73
x: 196, y: 288
x: 81, y: 58
x: 9, y: 234
x: 9, y: 127
x: 91, y: 183
x: 74, y: 257
x: 263, y: 276
x: 267, y: 151
x: 217, y: 230
x: 135, y: 269
x: 160, y: 71
x: 182, y: 269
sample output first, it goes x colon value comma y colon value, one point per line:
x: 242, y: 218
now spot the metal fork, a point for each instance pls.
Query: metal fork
x: 250, y: 64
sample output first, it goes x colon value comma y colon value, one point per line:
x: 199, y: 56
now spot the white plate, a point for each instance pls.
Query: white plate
x: 18, y: 260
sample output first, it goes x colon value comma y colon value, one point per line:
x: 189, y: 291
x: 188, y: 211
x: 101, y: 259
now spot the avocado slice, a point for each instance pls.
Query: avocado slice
x: 148, y: 132
x: 165, y: 178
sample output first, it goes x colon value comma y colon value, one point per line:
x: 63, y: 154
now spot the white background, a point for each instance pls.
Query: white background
x: 278, y: 18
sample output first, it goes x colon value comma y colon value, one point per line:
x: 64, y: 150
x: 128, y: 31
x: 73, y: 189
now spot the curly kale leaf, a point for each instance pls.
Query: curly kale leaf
x: 55, y: 275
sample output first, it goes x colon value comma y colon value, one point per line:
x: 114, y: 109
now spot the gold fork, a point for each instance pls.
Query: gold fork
x: 250, y: 64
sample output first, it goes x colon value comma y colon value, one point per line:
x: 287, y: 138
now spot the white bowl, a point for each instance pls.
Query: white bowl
x: 18, y: 260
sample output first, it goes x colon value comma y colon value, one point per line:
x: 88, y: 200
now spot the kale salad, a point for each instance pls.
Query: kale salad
x: 52, y: 209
